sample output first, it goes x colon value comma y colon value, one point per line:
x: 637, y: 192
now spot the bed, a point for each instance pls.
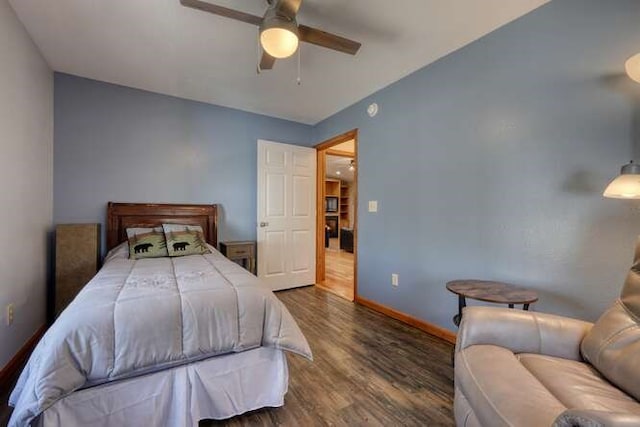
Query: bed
x: 160, y: 341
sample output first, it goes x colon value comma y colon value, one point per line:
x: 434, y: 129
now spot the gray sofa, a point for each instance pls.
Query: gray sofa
x: 519, y: 368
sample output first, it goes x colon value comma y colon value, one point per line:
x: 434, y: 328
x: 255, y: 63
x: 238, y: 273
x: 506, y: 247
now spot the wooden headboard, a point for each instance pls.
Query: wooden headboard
x: 121, y: 216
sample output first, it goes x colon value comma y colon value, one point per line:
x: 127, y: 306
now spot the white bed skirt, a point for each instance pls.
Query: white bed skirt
x: 216, y: 388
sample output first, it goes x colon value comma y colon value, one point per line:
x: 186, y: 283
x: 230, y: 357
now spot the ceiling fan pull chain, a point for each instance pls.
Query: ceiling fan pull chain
x: 299, y: 79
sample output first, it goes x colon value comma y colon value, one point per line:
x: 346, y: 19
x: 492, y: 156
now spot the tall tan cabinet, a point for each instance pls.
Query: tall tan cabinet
x: 77, y: 260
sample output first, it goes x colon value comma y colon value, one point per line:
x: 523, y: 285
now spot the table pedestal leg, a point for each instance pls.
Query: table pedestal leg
x: 525, y: 307
x: 462, y: 303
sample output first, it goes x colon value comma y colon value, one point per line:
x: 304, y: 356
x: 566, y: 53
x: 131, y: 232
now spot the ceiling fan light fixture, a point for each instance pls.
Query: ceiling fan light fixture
x: 279, y: 35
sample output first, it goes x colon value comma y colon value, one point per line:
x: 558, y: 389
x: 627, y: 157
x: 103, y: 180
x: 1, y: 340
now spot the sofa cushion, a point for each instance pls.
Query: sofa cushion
x: 613, y: 344
x: 501, y: 391
x: 578, y: 385
x: 463, y: 412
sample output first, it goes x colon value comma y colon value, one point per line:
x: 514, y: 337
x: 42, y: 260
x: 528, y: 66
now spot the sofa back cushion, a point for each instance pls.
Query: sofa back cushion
x: 613, y: 344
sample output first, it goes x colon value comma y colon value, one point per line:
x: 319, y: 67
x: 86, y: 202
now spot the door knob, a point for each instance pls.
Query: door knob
x: 264, y: 224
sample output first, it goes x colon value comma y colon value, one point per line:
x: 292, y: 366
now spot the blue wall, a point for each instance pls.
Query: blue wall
x: 490, y: 163
x: 114, y: 143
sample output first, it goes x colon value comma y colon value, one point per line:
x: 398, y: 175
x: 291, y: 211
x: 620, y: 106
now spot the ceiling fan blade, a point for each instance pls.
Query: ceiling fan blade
x: 266, y: 62
x: 222, y: 11
x: 288, y: 8
x: 328, y: 40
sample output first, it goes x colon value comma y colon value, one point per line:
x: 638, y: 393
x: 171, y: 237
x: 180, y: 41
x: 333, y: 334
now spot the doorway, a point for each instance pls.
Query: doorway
x: 337, y: 190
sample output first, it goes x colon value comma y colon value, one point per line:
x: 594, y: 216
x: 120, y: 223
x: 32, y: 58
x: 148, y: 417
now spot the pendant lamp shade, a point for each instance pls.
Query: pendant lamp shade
x: 632, y: 67
x: 626, y: 185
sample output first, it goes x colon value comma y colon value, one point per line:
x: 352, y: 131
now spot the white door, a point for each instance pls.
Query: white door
x: 286, y: 215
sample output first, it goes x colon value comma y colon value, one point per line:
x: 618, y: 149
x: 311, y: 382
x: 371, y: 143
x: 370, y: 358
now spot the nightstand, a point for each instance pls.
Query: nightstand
x: 243, y: 253
x: 77, y: 260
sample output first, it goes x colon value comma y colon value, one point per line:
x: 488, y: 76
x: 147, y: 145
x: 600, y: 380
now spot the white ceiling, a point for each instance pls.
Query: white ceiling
x: 161, y: 46
x: 348, y: 146
x: 340, y: 164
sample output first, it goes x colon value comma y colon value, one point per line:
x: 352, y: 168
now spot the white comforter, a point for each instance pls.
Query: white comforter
x: 141, y: 316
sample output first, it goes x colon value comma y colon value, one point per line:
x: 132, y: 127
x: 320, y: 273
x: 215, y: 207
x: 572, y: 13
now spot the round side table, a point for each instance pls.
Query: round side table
x: 484, y: 290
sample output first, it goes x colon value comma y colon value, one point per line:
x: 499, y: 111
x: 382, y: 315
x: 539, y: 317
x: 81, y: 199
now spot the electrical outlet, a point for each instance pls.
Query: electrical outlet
x: 373, y: 206
x: 9, y: 314
x: 394, y: 279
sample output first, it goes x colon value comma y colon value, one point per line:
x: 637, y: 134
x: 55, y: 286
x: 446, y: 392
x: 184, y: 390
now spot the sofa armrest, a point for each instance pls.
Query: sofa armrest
x: 522, y: 331
x: 590, y: 418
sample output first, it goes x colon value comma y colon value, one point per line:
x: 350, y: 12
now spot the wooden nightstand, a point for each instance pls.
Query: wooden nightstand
x: 243, y: 253
x: 77, y: 260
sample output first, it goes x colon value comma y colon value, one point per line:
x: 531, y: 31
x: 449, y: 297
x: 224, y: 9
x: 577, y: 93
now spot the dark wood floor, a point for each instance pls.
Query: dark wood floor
x: 368, y: 369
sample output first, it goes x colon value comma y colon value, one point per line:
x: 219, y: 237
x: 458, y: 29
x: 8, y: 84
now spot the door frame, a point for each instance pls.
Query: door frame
x: 322, y: 150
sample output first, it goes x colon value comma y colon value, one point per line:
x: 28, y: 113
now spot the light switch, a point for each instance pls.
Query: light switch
x: 373, y: 206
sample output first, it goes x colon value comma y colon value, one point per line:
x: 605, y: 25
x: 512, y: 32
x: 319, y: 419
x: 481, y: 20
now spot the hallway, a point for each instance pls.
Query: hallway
x: 339, y: 272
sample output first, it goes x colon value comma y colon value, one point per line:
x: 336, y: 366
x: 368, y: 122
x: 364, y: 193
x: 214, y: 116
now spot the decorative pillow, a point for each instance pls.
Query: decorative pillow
x: 146, y: 243
x: 185, y: 239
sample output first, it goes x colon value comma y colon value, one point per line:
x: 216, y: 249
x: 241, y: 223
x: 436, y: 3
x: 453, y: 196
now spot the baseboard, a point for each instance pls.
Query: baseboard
x: 7, y: 374
x: 427, y: 327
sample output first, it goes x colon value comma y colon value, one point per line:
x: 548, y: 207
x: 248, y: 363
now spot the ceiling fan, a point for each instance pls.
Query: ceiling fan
x: 279, y: 30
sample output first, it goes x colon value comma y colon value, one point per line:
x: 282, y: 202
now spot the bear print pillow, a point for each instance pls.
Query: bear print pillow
x: 146, y: 243
x: 185, y: 239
